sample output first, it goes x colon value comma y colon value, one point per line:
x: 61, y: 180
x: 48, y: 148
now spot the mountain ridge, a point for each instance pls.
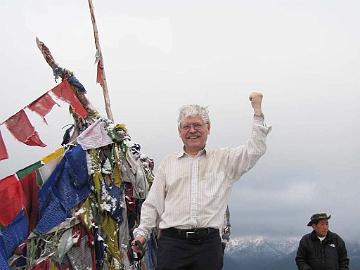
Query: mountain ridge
x: 260, y: 253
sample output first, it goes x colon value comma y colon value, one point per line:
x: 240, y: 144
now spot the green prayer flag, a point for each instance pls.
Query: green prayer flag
x: 23, y: 172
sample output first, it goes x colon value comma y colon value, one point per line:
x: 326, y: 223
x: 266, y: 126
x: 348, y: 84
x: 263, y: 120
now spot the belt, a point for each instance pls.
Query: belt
x: 196, y: 233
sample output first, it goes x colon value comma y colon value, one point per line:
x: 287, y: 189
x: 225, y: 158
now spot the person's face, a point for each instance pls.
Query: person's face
x: 321, y: 228
x: 193, y: 132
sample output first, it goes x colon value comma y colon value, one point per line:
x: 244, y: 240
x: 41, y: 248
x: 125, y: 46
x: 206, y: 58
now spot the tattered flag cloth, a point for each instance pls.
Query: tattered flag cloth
x: 19, y: 125
x: 81, y: 254
x: 67, y: 186
x: 99, y: 248
x: 43, y: 265
x: 12, y: 199
x: 12, y: 235
x: 31, y: 190
x: 50, y: 162
x: 3, y: 151
x: 42, y: 105
x: 51, y: 215
x: 3, y: 262
x: 54, y: 155
x: 94, y: 136
x: 66, y: 93
x: 23, y: 172
x: 46, y: 170
x: 75, y: 82
x: 99, y: 75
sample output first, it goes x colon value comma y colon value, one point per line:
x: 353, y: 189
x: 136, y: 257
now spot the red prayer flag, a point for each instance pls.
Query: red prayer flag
x: 3, y: 151
x: 31, y: 202
x: 42, y: 105
x: 99, y: 77
x: 12, y: 199
x: 66, y: 93
x: 19, y: 125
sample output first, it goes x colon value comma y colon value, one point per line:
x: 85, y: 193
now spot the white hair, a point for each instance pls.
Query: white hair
x: 193, y: 110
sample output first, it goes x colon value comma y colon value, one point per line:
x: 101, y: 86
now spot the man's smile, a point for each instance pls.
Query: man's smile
x: 193, y: 137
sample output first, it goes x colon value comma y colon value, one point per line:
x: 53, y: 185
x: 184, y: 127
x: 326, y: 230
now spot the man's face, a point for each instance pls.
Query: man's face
x: 193, y: 132
x: 321, y: 228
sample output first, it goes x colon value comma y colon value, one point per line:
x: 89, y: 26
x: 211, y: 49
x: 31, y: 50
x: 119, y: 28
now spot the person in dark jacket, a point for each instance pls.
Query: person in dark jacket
x: 321, y: 249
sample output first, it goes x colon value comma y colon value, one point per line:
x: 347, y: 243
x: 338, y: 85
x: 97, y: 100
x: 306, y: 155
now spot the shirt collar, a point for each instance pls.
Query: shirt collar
x: 182, y: 153
x: 315, y: 237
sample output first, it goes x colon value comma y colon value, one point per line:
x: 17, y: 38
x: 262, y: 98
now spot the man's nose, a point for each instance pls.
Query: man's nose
x: 192, y: 128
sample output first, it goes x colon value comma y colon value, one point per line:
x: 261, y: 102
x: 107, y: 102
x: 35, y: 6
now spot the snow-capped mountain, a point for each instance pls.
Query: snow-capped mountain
x: 257, y: 253
x: 260, y: 253
x: 261, y: 245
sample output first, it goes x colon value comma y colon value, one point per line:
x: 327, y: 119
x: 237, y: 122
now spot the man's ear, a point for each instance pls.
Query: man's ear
x: 209, y: 126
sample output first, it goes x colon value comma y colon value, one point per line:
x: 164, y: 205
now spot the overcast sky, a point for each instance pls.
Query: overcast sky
x: 303, y: 55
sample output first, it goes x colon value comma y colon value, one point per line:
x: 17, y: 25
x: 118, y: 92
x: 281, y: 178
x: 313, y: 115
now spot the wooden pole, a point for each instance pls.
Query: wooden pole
x: 99, y: 54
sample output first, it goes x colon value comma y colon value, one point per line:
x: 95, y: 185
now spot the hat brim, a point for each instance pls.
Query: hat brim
x: 316, y: 220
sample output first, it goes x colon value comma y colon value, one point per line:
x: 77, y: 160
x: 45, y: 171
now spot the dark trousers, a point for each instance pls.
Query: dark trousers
x: 189, y: 254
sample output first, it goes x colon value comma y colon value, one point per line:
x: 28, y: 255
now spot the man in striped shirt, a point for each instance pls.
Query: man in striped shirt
x: 191, y: 189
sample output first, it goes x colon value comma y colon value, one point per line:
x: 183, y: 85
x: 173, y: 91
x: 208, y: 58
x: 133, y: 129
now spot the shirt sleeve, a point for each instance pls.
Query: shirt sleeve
x: 242, y: 158
x: 153, y: 206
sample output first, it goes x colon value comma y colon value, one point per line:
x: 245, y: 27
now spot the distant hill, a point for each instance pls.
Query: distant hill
x: 259, y: 253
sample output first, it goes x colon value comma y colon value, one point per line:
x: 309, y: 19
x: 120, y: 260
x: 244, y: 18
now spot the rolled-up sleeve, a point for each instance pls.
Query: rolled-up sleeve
x: 242, y: 158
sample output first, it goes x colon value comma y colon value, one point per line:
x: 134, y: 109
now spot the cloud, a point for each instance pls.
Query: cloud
x: 159, y: 56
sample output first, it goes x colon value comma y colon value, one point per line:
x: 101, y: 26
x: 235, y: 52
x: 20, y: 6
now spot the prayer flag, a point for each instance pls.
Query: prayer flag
x: 3, y: 151
x: 28, y: 169
x: 99, y: 76
x: 66, y: 93
x: 42, y: 105
x: 13, y: 234
x: 12, y: 199
x: 31, y: 202
x: 19, y: 125
x: 54, y: 155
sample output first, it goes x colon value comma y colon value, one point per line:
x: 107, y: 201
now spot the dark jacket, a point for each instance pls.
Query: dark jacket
x: 330, y: 254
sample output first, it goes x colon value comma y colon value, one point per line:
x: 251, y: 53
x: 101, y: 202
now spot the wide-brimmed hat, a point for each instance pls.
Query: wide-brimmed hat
x: 316, y: 217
